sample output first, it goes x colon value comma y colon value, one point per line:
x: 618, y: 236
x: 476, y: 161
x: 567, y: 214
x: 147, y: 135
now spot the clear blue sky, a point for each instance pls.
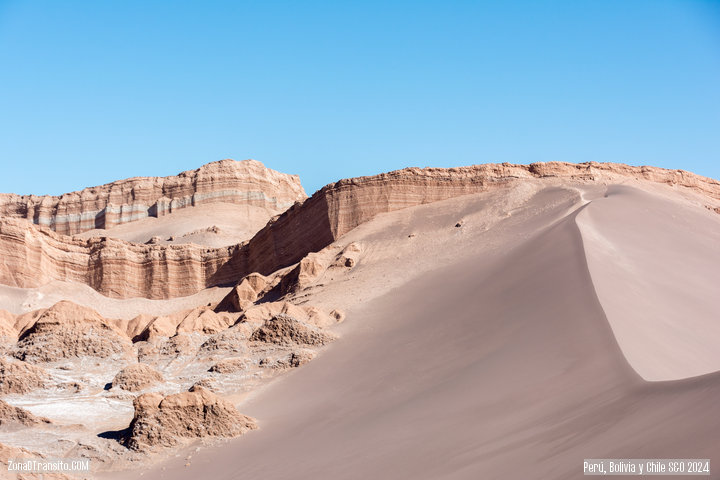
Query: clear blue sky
x: 95, y: 91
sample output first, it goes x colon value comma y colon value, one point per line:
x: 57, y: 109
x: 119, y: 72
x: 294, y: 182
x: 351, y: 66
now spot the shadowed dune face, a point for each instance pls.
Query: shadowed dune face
x: 495, y: 366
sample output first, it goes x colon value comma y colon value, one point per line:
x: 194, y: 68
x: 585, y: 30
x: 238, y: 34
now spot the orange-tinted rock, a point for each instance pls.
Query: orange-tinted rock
x: 136, y: 377
x: 67, y: 330
x: 15, y: 415
x: 285, y: 330
x: 197, y: 413
x: 20, y: 377
x: 34, y: 256
x: 247, y: 182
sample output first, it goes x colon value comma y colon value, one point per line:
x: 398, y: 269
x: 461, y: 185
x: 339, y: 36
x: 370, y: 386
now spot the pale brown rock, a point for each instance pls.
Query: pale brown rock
x: 67, y: 330
x: 247, y: 182
x: 7, y: 326
x: 20, y: 377
x: 138, y: 324
x: 8, y: 452
x: 136, y: 377
x: 201, y: 319
x: 285, y: 330
x: 180, y: 345
x: 205, y: 320
x: 243, y: 294
x: 34, y: 256
x: 292, y: 360
x: 229, y: 365
x: 197, y: 413
x: 15, y: 415
x: 232, y: 341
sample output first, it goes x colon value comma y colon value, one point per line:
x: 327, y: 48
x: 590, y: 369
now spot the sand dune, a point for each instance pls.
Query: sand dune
x: 496, y: 366
x: 500, y: 321
x: 655, y: 264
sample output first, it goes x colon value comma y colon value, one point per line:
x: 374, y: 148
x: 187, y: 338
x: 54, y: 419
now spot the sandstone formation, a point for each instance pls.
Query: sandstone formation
x: 34, y: 256
x: 339, y: 207
x: 197, y: 413
x: 246, y: 182
x: 229, y: 365
x: 67, y: 330
x: 136, y: 377
x: 14, y: 415
x: 201, y: 319
x: 20, y: 377
x: 7, y: 452
x: 162, y: 349
x: 243, y: 294
x: 315, y: 264
x: 7, y: 326
x: 228, y: 342
x: 283, y: 329
x: 308, y: 314
x: 291, y: 360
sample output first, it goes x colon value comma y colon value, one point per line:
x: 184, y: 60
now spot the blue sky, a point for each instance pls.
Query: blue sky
x: 96, y: 91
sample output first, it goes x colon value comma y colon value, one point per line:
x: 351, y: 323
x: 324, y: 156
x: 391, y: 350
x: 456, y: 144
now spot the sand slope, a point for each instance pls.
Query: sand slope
x: 493, y: 366
x: 214, y: 225
x: 655, y: 264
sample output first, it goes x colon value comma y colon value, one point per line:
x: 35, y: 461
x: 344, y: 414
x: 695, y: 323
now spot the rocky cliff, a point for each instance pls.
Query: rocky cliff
x: 33, y: 255
x: 245, y: 182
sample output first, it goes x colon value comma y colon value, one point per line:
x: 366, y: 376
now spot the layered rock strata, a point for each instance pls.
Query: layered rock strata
x: 247, y: 182
x: 34, y: 256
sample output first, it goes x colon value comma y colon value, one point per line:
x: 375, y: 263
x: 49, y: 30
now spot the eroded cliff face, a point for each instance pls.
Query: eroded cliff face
x: 34, y: 255
x: 246, y: 182
x: 338, y: 208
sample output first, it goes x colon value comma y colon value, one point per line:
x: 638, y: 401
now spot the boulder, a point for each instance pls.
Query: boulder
x: 20, y: 377
x: 16, y: 415
x: 283, y: 329
x: 136, y: 377
x: 67, y: 330
x: 197, y: 413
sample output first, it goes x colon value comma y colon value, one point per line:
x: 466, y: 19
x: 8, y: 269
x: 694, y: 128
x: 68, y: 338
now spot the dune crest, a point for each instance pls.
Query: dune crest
x: 490, y: 321
x: 35, y: 256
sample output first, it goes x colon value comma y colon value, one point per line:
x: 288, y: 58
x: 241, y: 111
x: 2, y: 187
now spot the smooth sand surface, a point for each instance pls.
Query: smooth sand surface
x: 655, y: 265
x: 235, y: 224
x: 493, y: 366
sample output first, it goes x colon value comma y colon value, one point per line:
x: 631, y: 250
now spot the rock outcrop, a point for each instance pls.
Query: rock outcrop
x: 34, y: 256
x: 201, y: 319
x: 7, y: 325
x: 229, y: 365
x: 285, y: 330
x: 246, y: 182
x: 21, y: 377
x: 243, y: 294
x: 67, y: 330
x: 15, y: 415
x: 291, y: 360
x: 136, y: 377
x: 197, y: 413
x: 8, y: 453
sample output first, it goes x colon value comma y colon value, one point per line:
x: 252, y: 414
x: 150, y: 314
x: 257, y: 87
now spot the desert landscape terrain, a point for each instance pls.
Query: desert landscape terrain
x: 489, y: 321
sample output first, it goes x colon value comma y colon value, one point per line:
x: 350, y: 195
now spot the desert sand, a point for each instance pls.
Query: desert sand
x: 485, y: 322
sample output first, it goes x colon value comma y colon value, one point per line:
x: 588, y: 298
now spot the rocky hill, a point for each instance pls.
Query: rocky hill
x: 105, y: 206
x: 34, y: 255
